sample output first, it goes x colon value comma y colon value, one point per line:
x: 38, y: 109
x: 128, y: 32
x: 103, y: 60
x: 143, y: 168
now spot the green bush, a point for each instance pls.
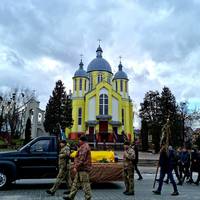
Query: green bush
x: 73, y: 144
x: 104, y: 160
x: 2, y: 142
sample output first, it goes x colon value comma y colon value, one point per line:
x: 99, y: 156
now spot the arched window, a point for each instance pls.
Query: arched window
x: 122, y: 116
x: 103, y: 104
x: 80, y: 84
x: 79, y: 116
x: 125, y: 86
x: 100, y: 78
x: 85, y: 85
x: 108, y: 79
x: 75, y: 84
x: 116, y: 85
x: 91, y: 82
x: 40, y: 118
x: 121, y: 85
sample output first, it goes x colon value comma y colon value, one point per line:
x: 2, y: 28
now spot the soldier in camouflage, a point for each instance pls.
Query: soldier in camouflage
x: 129, y: 156
x: 64, y: 169
x: 81, y: 168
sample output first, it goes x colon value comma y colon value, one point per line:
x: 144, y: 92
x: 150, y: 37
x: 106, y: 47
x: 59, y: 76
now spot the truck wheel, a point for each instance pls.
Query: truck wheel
x: 3, y: 180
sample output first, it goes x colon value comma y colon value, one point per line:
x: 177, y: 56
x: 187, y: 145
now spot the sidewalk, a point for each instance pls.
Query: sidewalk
x: 35, y: 190
x: 142, y: 155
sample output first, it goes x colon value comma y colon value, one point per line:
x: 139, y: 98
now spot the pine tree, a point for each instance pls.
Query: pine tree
x: 168, y: 104
x: 150, y: 112
x: 58, y: 110
x: 144, y: 135
x: 69, y: 120
x: 169, y: 110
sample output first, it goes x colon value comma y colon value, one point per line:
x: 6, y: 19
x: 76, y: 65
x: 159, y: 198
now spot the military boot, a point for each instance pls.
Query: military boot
x: 50, y: 192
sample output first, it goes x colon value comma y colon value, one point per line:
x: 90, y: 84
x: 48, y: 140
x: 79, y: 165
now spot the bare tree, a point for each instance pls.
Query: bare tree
x: 13, y: 101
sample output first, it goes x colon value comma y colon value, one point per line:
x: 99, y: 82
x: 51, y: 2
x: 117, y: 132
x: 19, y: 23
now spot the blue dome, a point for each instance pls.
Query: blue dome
x: 81, y: 72
x: 120, y: 74
x: 99, y: 63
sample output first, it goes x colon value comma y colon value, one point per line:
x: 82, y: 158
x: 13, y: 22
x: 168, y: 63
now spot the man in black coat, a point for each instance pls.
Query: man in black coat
x: 194, y: 165
x: 198, y: 168
x: 136, y: 161
x: 174, y: 163
x: 165, y: 163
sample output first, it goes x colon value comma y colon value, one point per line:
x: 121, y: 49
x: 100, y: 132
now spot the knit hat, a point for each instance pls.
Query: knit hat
x: 83, y: 138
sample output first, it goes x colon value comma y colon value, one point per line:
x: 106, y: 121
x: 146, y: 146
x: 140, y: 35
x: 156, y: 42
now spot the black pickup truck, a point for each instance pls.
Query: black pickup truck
x: 37, y: 159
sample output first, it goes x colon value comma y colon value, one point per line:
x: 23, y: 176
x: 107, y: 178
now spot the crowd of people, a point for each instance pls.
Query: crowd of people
x: 184, y: 162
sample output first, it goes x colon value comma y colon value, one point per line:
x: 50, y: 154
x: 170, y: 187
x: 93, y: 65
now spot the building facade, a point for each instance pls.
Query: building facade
x: 101, y: 105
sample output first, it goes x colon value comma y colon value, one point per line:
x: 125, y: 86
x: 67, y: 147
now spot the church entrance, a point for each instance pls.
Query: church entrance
x: 103, y: 131
x: 91, y: 134
x: 115, y: 134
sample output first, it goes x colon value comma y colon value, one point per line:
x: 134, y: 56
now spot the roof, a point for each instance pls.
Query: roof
x: 120, y: 74
x: 99, y: 63
x: 81, y: 72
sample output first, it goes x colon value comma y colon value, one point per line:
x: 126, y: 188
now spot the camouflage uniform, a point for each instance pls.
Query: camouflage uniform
x: 82, y: 164
x: 64, y: 169
x: 129, y: 156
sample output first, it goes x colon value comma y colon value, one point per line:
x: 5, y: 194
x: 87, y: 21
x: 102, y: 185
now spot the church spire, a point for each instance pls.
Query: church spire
x: 99, y: 50
x: 81, y: 63
x: 120, y: 63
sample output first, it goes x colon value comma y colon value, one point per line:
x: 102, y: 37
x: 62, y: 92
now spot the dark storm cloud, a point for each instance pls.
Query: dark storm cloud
x: 158, y: 40
x: 59, y: 29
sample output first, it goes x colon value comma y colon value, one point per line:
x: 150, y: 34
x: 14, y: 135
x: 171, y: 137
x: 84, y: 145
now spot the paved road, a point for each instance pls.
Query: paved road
x: 35, y: 190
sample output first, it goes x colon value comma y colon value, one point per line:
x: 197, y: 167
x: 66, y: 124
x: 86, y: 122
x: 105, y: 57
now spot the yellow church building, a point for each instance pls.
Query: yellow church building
x: 101, y: 105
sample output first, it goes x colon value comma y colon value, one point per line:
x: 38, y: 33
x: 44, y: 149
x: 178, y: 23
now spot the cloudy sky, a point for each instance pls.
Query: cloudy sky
x: 41, y: 42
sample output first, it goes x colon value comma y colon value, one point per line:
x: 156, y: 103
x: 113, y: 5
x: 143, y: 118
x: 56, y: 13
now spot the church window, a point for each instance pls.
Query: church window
x: 40, y: 118
x: 122, y: 116
x: 91, y: 82
x: 116, y: 85
x: 85, y: 85
x: 79, y: 116
x: 103, y: 104
x: 80, y: 84
x: 75, y: 84
x: 121, y: 85
x: 125, y: 86
x: 108, y: 79
x: 100, y: 78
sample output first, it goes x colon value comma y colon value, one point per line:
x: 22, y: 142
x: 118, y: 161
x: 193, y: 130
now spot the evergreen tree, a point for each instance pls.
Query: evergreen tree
x: 169, y: 109
x: 58, y: 110
x: 144, y: 135
x: 28, y: 131
x: 150, y: 112
x: 168, y: 104
x: 154, y: 112
x: 69, y: 120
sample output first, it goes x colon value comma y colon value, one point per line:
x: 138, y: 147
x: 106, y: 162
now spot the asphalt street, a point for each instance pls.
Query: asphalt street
x: 35, y: 190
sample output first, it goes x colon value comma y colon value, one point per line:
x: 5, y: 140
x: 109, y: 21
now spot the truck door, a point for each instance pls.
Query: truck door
x: 40, y: 161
